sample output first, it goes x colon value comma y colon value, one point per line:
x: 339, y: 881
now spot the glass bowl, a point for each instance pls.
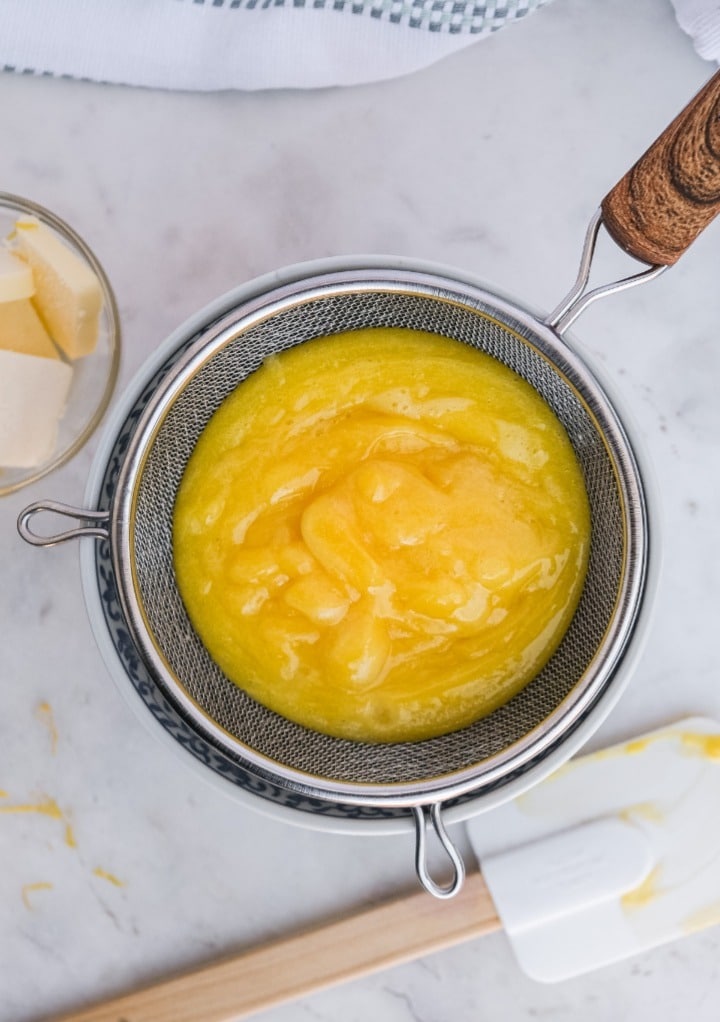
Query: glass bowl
x: 94, y: 375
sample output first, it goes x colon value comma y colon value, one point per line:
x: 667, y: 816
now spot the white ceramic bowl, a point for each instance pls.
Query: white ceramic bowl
x: 159, y: 716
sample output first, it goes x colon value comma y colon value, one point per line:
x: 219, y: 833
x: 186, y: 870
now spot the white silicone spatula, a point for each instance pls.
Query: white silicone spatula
x: 661, y: 792
x: 614, y: 853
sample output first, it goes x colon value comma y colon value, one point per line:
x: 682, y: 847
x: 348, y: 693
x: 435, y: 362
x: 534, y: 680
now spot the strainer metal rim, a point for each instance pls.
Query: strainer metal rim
x: 551, y: 346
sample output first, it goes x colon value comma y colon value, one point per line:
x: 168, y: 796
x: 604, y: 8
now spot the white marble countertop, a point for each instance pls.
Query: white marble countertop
x: 491, y: 160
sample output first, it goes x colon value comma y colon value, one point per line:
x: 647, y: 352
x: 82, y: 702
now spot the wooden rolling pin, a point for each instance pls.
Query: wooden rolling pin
x: 293, y: 967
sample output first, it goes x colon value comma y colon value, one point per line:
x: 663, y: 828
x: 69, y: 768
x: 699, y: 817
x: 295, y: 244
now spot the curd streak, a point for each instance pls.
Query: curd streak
x: 382, y: 535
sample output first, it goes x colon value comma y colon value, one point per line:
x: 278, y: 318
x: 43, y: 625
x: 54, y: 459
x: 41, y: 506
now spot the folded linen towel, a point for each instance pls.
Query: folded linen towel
x: 701, y: 20
x: 242, y: 44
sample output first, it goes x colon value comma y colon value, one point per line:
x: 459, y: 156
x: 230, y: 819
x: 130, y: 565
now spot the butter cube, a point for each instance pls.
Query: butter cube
x: 68, y: 295
x: 33, y: 394
x: 22, y: 331
x: 16, y: 279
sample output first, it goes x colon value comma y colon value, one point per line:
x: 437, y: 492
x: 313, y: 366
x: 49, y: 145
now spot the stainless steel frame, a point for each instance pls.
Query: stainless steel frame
x: 424, y: 798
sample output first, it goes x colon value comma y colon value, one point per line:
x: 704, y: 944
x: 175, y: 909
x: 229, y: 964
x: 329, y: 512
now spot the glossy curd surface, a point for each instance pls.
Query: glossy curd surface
x: 382, y: 535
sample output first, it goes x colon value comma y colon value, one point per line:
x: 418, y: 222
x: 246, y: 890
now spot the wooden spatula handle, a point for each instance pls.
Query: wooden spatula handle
x: 233, y: 989
x: 673, y: 192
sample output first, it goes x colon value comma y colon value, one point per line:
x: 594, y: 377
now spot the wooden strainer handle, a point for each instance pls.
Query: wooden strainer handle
x: 673, y: 192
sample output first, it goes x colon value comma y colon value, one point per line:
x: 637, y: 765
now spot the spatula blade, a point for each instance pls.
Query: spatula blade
x: 664, y: 787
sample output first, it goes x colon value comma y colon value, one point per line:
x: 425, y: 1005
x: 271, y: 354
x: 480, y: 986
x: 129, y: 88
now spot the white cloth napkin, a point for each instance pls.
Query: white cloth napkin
x: 701, y: 20
x: 242, y: 44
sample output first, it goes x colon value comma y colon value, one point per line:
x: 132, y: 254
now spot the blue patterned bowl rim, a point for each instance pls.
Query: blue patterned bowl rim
x: 162, y: 720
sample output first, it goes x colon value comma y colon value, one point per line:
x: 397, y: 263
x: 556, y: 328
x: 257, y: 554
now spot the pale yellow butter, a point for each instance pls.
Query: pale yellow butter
x: 21, y: 330
x: 33, y: 394
x: 68, y: 296
x: 16, y: 279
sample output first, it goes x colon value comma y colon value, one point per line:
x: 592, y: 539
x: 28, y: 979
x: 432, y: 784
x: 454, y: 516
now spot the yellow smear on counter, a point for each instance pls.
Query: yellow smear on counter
x: 644, y: 811
x: 3, y: 794
x: 644, y: 893
x: 110, y: 877
x: 382, y: 535
x: 45, y: 714
x: 709, y: 915
x: 702, y: 745
x: 27, y: 889
x: 694, y: 743
x: 48, y: 807
x: 636, y: 746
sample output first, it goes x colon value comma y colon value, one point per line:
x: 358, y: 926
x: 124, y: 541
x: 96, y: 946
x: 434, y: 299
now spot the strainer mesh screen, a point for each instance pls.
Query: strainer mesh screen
x: 265, y: 731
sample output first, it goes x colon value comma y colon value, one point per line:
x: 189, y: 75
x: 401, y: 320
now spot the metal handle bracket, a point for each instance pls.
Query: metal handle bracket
x: 94, y: 523
x: 578, y: 298
x: 421, y: 867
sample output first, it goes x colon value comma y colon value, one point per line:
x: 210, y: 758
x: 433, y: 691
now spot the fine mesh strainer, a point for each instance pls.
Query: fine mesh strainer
x: 424, y: 776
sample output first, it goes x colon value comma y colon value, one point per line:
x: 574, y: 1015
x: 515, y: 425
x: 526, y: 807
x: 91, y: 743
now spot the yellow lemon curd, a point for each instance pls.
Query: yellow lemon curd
x: 382, y: 535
